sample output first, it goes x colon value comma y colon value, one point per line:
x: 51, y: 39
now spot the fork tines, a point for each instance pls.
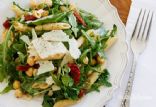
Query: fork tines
x: 143, y: 25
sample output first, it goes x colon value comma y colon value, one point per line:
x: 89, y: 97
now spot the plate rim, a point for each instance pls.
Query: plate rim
x: 115, y: 13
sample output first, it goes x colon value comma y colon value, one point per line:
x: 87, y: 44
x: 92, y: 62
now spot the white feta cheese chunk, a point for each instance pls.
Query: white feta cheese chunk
x: 46, y: 49
x: 50, y: 80
x: 45, y: 66
x: 56, y: 35
x: 25, y: 39
x: 73, y: 49
x: 55, y: 88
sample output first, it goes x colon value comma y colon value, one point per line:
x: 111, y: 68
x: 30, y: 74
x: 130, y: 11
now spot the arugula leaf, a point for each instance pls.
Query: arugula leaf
x: 101, y: 81
x: 91, y: 41
x: 49, y: 19
x: 6, y: 89
x: 70, y: 92
x: 67, y: 80
x: 55, y: 10
x: 14, y: 3
x: 73, y: 22
x: 114, y: 30
x: 48, y: 101
x: 4, y: 55
x: 91, y: 21
x: 56, y: 80
x: 22, y: 57
x: 84, y: 54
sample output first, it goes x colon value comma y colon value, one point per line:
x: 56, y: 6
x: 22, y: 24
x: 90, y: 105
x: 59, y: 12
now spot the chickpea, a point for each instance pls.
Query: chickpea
x: 16, y: 84
x: 93, y: 62
x: 34, y: 72
x: 89, y: 73
x: 31, y: 61
x: 45, y: 13
x: 85, y: 60
x: 100, y: 60
x: 50, y: 93
x: 29, y: 72
x: 27, y: 97
x: 18, y: 93
x: 63, y: 9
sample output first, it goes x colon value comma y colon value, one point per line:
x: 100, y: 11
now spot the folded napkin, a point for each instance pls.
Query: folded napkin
x: 144, y: 88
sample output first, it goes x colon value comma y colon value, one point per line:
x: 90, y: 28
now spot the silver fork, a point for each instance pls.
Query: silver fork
x: 138, y: 43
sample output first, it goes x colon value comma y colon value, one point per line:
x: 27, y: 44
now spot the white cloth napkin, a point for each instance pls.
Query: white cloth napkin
x: 144, y: 88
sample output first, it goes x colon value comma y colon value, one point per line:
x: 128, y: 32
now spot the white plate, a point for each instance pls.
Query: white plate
x: 117, y: 55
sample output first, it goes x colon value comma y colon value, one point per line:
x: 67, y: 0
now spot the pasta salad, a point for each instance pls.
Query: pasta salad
x: 56, y: 50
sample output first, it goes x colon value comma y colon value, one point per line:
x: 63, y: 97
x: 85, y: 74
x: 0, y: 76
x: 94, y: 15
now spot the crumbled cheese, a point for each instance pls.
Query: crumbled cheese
x: 32, y: 51
x: 55, y: 88
x: 45, y: 66
x: 73, y: 49
x: 46, y: 49
x: 56, y: 35
x: 50, y: 80
x: 25, y: 39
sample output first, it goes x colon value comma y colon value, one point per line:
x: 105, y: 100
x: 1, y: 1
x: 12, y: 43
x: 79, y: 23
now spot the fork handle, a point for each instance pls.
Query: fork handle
x: 128, y: 91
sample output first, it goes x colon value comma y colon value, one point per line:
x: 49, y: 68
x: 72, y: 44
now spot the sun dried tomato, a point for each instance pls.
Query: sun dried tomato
x: 30, y: 17
x: 74, y: 73
x: 7, y: 24
x: 36, y: 66
x: 82, y: 93
x: 79, y: 18
x: 22, y: 67
x: 26, y: 67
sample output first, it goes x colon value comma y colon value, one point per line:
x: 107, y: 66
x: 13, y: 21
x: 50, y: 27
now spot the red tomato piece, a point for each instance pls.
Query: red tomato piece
x: 7, y: 24
x: 22, y: 67
x: 74, y: 73
x: 79, y: 18
x: 26, y: 67
x: 82, y: 93
x: 29, y: 17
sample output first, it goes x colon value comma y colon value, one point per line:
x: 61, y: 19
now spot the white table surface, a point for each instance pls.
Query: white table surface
x: 144, y: 88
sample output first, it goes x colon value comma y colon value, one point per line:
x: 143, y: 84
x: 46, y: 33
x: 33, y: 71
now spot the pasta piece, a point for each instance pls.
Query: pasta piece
x: 110, y: 42
x: 40, y: 85
x: 17, y: 10
x: 80, y: 41
x: 93, y: 77
x: 21, y: 27
x: 37, y: 13
x: 4, y: 33
x: 53, y: 26
x: 65, y: 103
x: 33, y: 4
x: 40, y: 13
x: 51, y: 57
